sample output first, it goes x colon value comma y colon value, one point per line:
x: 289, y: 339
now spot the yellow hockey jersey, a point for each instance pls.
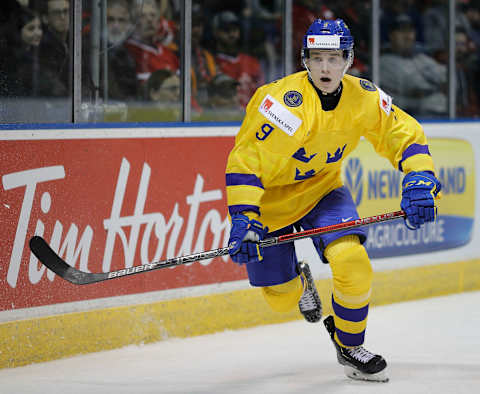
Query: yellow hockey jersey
x: 289, y: 151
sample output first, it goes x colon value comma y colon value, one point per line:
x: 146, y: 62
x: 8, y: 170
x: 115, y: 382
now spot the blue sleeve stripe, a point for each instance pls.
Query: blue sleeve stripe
x: 348, y: 339
x: 412, y: 150
x: 235, y: 179
x: 354, y: 315
x: 233, y: 209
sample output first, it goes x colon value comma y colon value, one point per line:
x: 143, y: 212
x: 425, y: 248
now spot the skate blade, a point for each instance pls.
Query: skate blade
x: 352, y: 373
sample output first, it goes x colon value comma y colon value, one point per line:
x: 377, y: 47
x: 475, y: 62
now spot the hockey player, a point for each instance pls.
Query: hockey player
x: 284, y: 171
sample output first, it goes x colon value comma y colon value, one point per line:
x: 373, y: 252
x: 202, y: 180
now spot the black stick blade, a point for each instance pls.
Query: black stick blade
x: 53, y: 262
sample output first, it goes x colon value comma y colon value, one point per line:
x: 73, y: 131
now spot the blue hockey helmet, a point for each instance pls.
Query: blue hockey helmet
x: 328, y: 34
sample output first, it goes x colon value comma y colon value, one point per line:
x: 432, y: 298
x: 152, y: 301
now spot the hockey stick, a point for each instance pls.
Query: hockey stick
x: 52, y: 260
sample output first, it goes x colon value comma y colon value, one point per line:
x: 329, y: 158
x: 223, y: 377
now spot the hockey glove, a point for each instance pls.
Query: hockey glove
x: 244, y: 237
x: 419, y: 189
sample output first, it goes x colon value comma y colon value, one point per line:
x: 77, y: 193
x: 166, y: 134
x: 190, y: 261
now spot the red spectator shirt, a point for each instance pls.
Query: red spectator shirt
x: 246, y: 70
x: 151, y: 58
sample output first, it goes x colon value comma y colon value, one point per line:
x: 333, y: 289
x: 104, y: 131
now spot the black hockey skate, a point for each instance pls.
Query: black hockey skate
x: 310, y: 305
x: 358, y: 362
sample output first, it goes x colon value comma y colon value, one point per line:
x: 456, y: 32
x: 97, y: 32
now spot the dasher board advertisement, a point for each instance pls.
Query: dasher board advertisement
x: 376, y: 186
x: 112, y: 204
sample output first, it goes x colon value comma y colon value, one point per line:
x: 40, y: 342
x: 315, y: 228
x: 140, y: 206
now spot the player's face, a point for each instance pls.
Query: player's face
x: 326, y: 68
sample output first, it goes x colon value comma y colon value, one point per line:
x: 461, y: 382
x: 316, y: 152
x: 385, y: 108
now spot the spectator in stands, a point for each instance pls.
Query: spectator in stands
x: 168, y: 26
x: 472, y: 14
x: 30, y: 28
x: 122, y: 82
x: 391, y: 9
x: 57, y: 21
x: 8, y: 9
x: 119, y: 22
x: 436, y: 28
x: 472, y: 27
x: 261, y: 28
x: 466, y: 57
x: 24, y: 68
x: 54, y: 47
x: 169, y: 9
x: 204, y: 68
x: 150, y: 55
x: 164, y: 87
x: 245, y: 69
x: 415, y: 80
x: 223, y: 93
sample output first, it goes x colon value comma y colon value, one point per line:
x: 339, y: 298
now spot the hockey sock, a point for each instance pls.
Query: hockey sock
x: 352, y: 281
x: 285, y: 296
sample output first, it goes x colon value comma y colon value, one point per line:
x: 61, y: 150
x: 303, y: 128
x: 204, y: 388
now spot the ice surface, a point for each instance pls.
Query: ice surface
x: 432, y: 346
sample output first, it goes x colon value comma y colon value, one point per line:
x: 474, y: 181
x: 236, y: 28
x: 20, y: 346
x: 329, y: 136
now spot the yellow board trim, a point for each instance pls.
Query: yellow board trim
x: 37, y: 340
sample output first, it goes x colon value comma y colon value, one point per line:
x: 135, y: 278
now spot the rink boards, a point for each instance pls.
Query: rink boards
x: 112, y: 198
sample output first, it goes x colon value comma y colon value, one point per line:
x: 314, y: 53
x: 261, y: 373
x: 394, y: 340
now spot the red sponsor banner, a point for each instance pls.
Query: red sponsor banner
x: 109, y: 204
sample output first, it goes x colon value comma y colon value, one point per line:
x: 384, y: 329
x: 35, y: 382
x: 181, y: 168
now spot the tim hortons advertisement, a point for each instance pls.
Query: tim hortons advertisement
x: 111, y: 204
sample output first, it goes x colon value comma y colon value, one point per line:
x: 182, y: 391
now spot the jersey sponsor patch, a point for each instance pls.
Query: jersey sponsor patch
x: 367, y: 85
x: 277, y: 114
x: 385, y: 101
x: 293, y: 98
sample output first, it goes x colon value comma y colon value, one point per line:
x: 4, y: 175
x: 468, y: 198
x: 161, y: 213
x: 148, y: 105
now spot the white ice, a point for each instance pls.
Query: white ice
x: 431, y: 346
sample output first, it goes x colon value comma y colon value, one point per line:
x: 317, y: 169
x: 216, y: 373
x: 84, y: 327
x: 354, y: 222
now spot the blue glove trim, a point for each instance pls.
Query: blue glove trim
x: 245, y: 251
x: 419, y: 190
x: 236, y: 209
x: 421, y: 180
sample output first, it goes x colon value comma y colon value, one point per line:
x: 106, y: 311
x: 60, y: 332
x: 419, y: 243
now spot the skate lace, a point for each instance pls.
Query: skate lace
x: 307, y: 301
x: 361, y: 354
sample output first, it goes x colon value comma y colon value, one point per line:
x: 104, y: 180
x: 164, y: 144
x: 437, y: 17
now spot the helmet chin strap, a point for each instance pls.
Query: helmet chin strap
x: 306, y: 67
x: 349, y: 62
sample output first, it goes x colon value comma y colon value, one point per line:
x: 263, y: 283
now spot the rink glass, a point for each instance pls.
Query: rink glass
x: 85, y: 88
